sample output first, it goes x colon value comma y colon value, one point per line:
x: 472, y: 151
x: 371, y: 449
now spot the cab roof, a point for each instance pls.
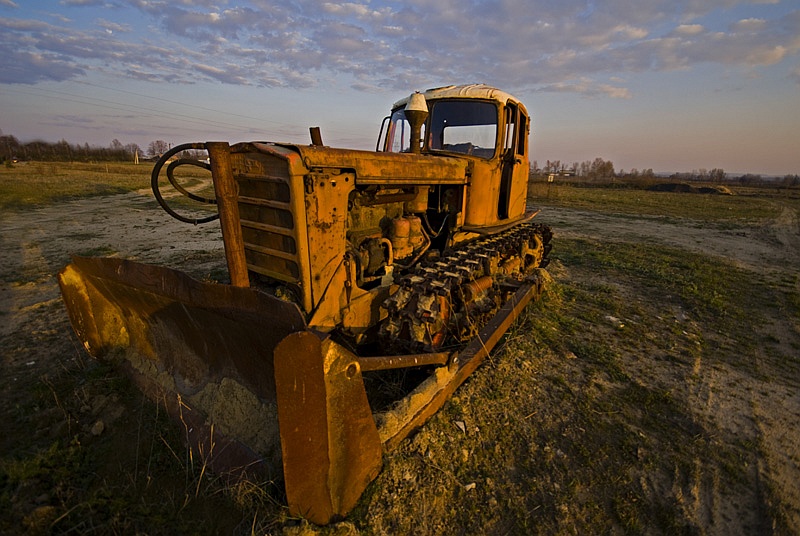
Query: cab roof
x: 466, y: 91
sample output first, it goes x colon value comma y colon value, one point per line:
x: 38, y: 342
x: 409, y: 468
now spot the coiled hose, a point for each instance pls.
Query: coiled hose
x: 170, y: 176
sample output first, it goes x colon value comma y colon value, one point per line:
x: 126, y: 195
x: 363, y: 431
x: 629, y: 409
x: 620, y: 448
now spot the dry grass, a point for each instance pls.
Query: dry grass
x: 36, y: 183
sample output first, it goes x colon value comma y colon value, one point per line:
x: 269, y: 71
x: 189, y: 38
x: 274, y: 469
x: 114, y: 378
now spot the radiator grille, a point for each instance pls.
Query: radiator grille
x: 269, y: 228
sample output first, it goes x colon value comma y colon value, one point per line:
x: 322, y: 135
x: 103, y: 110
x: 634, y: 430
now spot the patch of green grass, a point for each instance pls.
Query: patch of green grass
x: 706, y: 287
x: 99, y: 251
x: 600, y: 354
x: 793, y: 298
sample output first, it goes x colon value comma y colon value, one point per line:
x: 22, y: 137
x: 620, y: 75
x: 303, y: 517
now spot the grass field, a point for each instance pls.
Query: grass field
x: 652, y: 390
x: 749, y: 205
x: 32, y: 184
x: 29, y: 184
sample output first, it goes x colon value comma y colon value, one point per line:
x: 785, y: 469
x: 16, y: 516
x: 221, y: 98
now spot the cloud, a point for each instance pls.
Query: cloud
x: 749, y: 25
x: 614, y: 91
x: 27, y: 68
x: 8, y: 3
x: 348, y: 8
x: 231, y: 74
x: 689, y: 29
x: 620, y: 33
x: 587, y: 87
x: 71, y: 120
x: 84, y: 3
x: 113, y: 27
x: 551, y: 46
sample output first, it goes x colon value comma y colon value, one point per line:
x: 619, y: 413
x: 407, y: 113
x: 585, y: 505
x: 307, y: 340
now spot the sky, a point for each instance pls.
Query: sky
x: 670, y: 85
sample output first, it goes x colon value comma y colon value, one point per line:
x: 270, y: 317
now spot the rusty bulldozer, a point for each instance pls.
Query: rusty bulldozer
x: 346, y: 268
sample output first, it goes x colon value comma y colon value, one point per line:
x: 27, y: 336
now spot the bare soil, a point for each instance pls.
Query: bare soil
x: 492, y: 461
x: 754, y: 401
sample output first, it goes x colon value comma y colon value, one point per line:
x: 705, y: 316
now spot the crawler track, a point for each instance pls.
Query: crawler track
x: 446, y: 301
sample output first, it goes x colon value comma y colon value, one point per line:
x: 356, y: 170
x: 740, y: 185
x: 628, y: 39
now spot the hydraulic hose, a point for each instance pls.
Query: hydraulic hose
x: 170, y: 176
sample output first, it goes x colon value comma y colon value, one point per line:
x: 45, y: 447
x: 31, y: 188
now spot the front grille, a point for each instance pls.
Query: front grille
x: 269, y: 228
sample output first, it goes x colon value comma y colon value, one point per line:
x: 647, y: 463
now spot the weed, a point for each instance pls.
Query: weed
x: 99, y: 251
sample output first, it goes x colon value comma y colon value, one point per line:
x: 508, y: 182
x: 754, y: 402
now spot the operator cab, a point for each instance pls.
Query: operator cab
x: 488, y: 126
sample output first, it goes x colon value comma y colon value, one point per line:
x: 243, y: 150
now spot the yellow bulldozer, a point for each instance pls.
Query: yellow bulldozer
x: 349, y: 270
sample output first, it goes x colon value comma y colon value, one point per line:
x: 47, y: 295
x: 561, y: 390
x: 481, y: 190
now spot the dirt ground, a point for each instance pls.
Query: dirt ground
x: 758, y: 403
x: 40, y: 356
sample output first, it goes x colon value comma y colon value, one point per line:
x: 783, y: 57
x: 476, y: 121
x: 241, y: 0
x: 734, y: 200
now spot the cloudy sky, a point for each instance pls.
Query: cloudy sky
x: 673, y: 85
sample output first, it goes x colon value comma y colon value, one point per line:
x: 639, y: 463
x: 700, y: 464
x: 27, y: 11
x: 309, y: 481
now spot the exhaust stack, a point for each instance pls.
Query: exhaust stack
x: 416, y: 112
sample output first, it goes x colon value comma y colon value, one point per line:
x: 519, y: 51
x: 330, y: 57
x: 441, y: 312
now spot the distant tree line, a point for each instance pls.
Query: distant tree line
x: 602, y: 171
x: 597, y: 170
x: 62, y: 151
x: 589, y: 169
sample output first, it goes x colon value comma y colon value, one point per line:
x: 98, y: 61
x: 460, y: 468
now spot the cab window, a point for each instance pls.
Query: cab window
x: 466, y: 126
x: 398, y: 137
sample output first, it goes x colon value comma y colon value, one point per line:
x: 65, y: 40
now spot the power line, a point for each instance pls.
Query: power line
x: 290, y: 131
x: 94, y: 101
x: 249, y: 118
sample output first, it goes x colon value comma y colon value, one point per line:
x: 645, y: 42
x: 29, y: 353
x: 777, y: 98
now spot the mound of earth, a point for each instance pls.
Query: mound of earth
x: 682, y: 187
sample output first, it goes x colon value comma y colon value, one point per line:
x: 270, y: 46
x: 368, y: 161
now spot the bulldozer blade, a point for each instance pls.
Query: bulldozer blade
x: 204, y: 350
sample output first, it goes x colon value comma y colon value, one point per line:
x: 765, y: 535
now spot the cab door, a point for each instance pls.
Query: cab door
x: 514, y: 175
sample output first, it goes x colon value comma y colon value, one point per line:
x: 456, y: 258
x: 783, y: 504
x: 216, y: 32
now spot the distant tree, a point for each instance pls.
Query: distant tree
x: 790, y: 181
x: 601, y: 169
x: 9, y: 147
x: 750, y: 179
x: 62, y: 150
x: 717, y: 175
x: 132, y: 149
x: 157, y: 148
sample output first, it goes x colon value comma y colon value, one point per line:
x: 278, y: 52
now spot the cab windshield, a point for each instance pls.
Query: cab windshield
x: 460, y: 126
